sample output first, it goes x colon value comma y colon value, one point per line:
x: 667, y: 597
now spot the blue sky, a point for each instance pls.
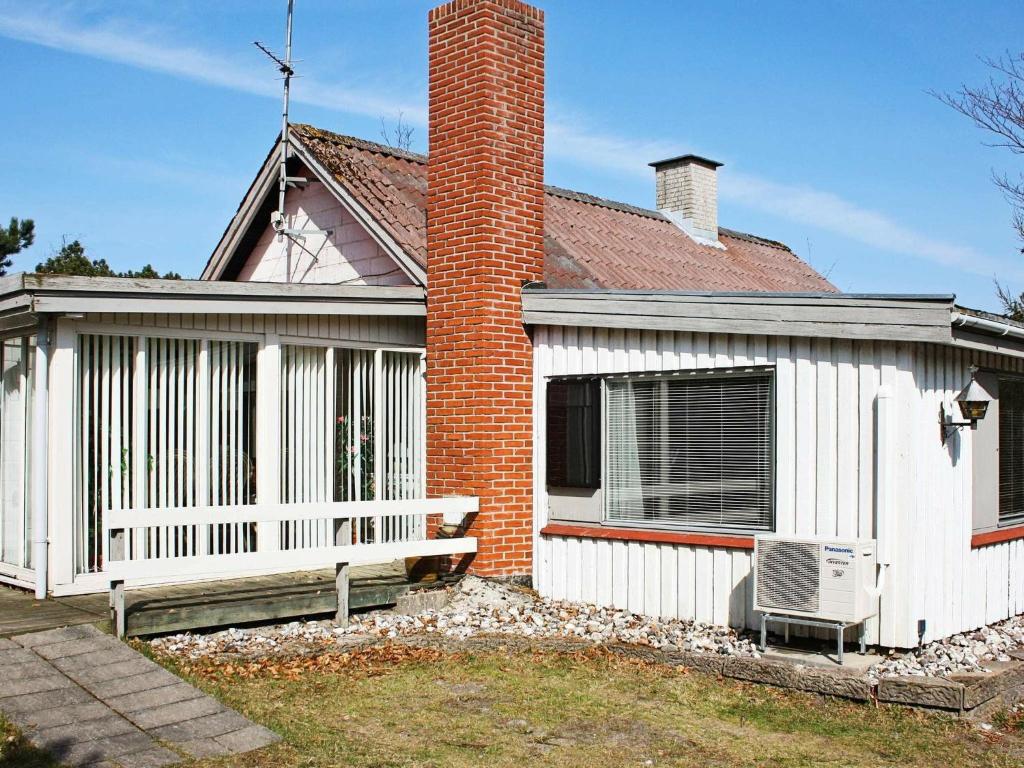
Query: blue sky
x: 137, y: 126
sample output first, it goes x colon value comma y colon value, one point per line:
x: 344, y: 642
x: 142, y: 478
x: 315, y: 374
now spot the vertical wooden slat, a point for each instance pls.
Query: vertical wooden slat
x: 202, y: 439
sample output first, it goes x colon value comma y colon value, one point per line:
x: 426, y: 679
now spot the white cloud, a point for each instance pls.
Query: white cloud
x: 118, y: 41
x: 568, y: 136
x: 832, y: 213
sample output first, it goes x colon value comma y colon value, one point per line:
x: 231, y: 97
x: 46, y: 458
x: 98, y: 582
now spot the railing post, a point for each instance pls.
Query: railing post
x: 341, y: 583
x: 117, y: 617
x: 116, y: 548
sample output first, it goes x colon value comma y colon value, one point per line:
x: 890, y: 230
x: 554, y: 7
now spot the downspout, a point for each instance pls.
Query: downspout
x: 884, y: 468
x: 39, y: 457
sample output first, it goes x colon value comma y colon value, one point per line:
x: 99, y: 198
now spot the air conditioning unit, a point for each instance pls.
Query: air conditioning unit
x: 829, y: 579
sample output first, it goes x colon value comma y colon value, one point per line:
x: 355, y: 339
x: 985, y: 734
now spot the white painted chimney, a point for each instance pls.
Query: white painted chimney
x: 687, y: 191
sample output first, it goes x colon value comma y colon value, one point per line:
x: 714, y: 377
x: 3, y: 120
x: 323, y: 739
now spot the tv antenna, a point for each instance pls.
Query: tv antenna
x: 277, y: 218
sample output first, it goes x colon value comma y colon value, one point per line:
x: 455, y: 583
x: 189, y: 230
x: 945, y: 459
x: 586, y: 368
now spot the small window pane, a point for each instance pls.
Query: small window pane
x: 573, y: 434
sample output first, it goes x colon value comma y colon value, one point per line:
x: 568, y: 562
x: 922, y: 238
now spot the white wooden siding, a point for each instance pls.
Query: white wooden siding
x: 826, y: 393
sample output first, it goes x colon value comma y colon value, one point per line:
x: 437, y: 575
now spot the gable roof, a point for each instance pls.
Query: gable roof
x: 589, y: 242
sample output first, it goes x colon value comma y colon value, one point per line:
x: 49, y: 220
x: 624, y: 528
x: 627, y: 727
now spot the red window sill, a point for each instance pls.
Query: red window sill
x: 996, y: 537
x: 653, y: 537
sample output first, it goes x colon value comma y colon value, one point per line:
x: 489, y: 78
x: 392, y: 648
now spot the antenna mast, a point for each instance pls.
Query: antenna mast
x: 284, y: 66
x: 287, y: 71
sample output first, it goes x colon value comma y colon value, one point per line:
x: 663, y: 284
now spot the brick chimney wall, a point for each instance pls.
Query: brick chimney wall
x: 485, y: 237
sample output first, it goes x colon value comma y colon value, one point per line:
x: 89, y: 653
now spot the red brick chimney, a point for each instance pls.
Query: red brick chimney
x: 485, y: 237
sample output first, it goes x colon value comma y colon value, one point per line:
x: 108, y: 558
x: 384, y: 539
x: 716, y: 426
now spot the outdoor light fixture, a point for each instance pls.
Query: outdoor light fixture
x: 973, y: 401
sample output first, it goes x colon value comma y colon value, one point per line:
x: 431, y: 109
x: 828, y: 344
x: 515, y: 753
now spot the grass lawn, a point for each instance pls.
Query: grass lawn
x: 395, y: 706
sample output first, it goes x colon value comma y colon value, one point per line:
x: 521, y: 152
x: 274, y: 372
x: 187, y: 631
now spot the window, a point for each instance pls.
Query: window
x: 156, y: 429
x: 1011, y: 451
x: 351, y: 430
x: 693, y: 452
x: 573, y: 434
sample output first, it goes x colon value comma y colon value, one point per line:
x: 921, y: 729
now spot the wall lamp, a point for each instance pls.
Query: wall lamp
x: 973, y: 401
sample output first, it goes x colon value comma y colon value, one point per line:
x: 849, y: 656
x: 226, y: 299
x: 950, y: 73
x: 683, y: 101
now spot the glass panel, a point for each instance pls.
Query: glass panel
x: 694, y: 453
x: 574, y: 434
x: 106, y: 460
x: 139, y: 437
x: 306, y: 434
x: 16, y: 358
x: 232, y: 429
x: 1011, y: 451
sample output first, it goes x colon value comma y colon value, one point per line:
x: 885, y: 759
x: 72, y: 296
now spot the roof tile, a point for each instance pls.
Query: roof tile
x: 589, y: 242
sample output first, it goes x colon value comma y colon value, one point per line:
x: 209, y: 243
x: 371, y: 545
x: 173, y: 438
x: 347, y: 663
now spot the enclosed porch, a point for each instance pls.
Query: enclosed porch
x: 173, y: 431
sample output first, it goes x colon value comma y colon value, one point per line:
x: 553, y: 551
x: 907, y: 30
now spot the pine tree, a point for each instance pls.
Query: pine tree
x: 18, y: 236
x: 72, y: 260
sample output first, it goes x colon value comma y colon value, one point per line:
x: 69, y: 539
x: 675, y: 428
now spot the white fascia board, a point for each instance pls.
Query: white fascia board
x: 244, y: 217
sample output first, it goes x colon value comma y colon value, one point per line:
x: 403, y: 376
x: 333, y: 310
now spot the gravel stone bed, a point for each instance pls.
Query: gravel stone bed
x: 476, y: 607
x: 967, y: 652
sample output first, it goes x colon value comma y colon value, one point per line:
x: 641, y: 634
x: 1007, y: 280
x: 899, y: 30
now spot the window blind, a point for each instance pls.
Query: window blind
x: 691, y: 453
x: 1011, y: 451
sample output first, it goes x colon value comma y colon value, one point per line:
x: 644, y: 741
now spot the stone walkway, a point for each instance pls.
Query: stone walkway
x: 89, y: 699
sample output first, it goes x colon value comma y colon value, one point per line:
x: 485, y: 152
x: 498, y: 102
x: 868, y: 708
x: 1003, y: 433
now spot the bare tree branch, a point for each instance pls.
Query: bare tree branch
x: 399, y: 137
x: 998, y: 108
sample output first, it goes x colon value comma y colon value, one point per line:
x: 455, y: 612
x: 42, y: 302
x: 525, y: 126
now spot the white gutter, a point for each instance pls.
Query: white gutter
x: 961, y: 320
x: 39, y: 457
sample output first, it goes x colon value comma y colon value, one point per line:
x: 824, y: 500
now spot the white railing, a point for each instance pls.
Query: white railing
x: 265, y: 554
x: 186, y: 537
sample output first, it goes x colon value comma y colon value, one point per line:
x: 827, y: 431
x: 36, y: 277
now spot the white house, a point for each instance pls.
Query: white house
x: 632, y: 394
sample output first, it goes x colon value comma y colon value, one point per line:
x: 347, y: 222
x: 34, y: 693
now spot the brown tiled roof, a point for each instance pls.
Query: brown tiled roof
x: 589, y: 242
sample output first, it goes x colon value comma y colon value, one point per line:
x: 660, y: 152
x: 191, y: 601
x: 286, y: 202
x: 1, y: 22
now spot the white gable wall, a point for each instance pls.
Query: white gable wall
x: 349, y: 255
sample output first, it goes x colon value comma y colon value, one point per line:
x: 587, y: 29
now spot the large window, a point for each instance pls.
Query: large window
x: 157, y: 429
x: 692, y: 452
x: 1011, y: 451
x: 351, y: 430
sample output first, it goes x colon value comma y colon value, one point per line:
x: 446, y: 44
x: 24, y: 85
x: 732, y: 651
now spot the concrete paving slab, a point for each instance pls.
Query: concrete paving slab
x: 85, y: 730
x: 202, y: 727
x: 13, y: 656
x: 6, y: 644
x: 184, y: 711
x: 149, y: 758
x: 247, y: 739
x: 95, y: 659
x: 63, y: 715
x: 75, y: 647
x: 33, y: 639
x: 91, y: 700
x: 151, y: 679
x: 35, y: 685
x: 108, y: 672
x: 37, y: 668
x: 154, y: 697
x: 44, y: 700
x: 200, y: 748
